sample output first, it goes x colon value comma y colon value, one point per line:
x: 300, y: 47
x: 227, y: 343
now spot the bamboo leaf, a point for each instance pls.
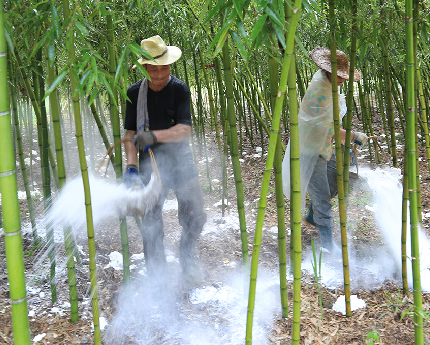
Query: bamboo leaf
x: 81, y: 28
x: 121, y: 62
x: 137, y: 49
x: 90, y: 83
x: 258, y: 26
x: 274, y: 17
x: 94, y: 94
x: 238, y: 7
x: 56, y: 82
x: 204, y: 10
x: 139, y: 66
x: 242, y: 32
x: 300, y: 44
x: 105, y: 83
x: 40, y: 43
x: 55, y: 23
x: 240, y: 46
x: 222, y: 37
x: 121, y: 91
x: 94, y: 66
x: 216, y: 9
x: 280, y: 35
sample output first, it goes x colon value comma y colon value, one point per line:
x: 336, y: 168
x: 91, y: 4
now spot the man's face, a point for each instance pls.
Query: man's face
x: 159, y: 75
x: 340, y: 80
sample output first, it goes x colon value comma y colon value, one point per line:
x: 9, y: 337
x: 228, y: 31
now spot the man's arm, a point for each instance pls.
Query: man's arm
x: 129, y: 148
x: 174, y: 134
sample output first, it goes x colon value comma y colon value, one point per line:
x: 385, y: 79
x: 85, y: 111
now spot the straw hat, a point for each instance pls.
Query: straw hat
x: 162, y: 54
x: 322, y: 58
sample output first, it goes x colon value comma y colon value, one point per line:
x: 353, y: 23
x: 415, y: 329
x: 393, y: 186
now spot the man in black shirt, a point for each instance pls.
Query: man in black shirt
x: 158, y: 116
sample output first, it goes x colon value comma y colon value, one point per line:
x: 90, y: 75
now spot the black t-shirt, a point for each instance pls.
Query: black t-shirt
x: 166, y: 108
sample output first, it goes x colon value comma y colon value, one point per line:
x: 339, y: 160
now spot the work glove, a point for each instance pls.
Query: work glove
x: 360, y: 138
x: 131, y: 177
x: 143, y: 140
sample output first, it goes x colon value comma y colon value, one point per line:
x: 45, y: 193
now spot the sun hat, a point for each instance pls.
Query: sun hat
x: 322, y: 58
x: 162, y: 54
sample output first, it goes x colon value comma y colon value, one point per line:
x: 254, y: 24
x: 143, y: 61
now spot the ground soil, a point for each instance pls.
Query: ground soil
x: 386, y: 315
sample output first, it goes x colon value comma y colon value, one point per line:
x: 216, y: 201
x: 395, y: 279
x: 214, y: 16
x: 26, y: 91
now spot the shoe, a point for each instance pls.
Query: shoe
x: 191, y: 272
x: 326, y: 240
x: 309, y: 219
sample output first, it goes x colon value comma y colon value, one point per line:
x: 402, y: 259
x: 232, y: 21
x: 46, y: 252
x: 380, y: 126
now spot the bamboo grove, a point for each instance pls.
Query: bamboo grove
x: 247, y: 63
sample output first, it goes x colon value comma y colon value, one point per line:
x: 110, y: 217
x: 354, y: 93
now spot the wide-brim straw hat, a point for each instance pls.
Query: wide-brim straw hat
x: 162, y: 54
x: 322, y: 58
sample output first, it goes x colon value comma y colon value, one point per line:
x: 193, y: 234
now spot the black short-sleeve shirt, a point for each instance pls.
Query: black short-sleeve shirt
x: 166, y: 108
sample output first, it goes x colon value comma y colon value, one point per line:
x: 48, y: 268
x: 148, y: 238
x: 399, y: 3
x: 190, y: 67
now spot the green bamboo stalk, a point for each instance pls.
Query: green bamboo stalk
x: 116, y: 138
x: 276, y: 118
x: 36, y: 238
x: 10, y: 207
x: 38, y: 114
x: 282, y: 247
x: 423, y: 104
x: 412, y: 181
x: 350, y: 98
x: 85, y: 178
x: 365, y: 114
x: 389, y: 103
x: 223, y: 120
x: 417, y: 116
x: 69, y: 240
x: 405, y: 200
x: 212, y: 114
x: 46, y: 174
x: 234, y: 151
x: 339, y: 164
x: 295, y: 203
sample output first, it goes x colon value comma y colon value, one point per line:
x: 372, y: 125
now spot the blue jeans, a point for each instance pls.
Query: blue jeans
x: 322, y: 188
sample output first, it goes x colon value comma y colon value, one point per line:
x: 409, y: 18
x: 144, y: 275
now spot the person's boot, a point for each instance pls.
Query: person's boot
x: 187, y: 258
x: 326, y: 239
x: 309, y: 219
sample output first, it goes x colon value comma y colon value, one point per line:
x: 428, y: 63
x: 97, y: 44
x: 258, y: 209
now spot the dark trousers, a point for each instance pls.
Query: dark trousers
x: 191, y: 217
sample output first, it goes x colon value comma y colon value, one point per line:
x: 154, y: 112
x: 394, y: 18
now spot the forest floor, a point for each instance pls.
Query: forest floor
x: 386, y: 317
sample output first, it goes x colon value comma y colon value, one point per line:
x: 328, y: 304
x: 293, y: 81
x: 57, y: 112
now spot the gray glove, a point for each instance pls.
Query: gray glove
x: 360, y: 138
x: 143, y: 140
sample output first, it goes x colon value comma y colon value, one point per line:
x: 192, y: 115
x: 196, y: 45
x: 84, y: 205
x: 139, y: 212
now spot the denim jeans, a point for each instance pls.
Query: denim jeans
x: 322, y: 188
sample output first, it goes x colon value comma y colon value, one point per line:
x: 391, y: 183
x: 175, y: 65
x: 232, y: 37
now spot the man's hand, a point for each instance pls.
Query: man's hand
x: 360, y: 138
x: 143, y: 140
x: 131, y: 177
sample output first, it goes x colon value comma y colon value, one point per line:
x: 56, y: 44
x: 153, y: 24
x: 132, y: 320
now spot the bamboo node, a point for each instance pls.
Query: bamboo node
x: 10, y: 234
x: 19, y: 300
x: 7, y: 173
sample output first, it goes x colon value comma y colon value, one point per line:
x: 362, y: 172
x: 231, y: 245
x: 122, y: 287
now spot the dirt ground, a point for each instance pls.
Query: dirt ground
x: 386, y: 319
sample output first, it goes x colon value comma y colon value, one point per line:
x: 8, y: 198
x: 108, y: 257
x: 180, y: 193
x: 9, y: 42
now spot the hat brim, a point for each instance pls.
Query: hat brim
x: 322, y: 58
x: 173, y: 54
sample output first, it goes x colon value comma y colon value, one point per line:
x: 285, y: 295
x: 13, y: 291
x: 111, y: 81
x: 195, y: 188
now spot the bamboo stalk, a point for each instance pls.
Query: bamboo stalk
x: 85, y: 179
x: 114, y: 113
x: 234, y: 151
x: 410, y: 102
x: 350, y: 99
x: 69, y: 240
x: 282, y: 248
x: 10, y: 207
x: 339, y: 164
x: 266, y: 179
x: 36, y: 238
